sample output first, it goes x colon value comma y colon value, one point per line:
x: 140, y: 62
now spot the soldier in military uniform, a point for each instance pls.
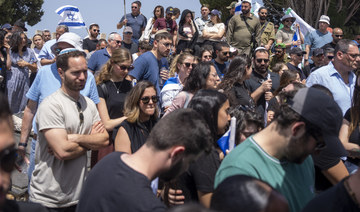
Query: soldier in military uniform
x: 267, y: 30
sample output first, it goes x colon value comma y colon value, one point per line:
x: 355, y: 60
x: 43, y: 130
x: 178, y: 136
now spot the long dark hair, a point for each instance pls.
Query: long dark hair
x: 208, y: 103
x: 197, y: 77
x: 235, y: 72
x: 354, y: 110
x: 16, y: 40
x: 161, y: 15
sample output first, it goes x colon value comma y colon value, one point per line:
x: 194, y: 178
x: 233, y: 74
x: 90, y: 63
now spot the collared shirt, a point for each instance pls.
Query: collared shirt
x: 329, y: 77
x: 137, y: 23
x: 98, y: 59
x: 45, y: 52
x: 268, y: 33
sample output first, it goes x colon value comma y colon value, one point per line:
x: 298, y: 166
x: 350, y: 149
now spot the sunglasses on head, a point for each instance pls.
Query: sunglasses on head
x: 193, y: 65
x: 8, y: 158
x: 260, y: 60
x: 146, y: 99
x: 81, y: 115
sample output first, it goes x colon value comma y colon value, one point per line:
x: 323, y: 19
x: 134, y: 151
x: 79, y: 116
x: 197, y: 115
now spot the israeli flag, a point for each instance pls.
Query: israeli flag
x: 238, y: 8
x: 70, y: 16
x: 227, y: 141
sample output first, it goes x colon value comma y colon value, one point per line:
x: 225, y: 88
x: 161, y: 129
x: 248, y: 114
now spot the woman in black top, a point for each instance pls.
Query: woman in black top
x: 233, y: 83
x: 4, y: 59
x: 113, y: 88
x: 188, y: 32
x: 141, y: 110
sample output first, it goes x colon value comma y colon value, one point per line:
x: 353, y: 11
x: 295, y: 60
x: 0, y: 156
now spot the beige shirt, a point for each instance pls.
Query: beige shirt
x: 57, y: 183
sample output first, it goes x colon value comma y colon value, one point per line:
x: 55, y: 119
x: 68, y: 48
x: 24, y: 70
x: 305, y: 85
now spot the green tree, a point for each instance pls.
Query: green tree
x: 27, y: 10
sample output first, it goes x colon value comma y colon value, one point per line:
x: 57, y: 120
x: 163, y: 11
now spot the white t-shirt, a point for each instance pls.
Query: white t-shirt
x: 214, y: 29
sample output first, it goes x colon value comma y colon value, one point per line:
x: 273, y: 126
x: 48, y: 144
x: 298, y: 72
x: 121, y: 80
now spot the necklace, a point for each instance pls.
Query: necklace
x: 117, y: 88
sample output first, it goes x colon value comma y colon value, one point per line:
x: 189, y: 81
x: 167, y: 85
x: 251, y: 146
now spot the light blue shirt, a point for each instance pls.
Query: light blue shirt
x: 45, y: 52
x: 330, y: 78
x: 48, y: 80
x: 316, y: 39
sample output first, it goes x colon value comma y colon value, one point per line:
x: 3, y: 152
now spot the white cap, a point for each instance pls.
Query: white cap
x: 70, y: 38
x: 325, y: 18
x: 248, y: 1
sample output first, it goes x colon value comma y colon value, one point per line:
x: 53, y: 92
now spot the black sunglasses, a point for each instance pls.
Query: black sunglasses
x: 226, y: 53
x: 134, y: 7
x: 278, y: 51
x: 260, y: 60
x: 330, y: 57
x: 339, y: 36
x: 207, y: 56
x: 96, y: 30
x: 8, y: 158
x: 81, y: 115
x: 118, y: 41
x: 193, y: 65
x: 129, y: 68
x: 146, y: 99
x: 299, y: 55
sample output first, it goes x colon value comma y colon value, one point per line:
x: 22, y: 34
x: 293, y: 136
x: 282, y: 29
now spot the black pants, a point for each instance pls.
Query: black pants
x: 67, y: 209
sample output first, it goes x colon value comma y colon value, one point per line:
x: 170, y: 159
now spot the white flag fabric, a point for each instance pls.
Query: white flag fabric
x: 70, y: 16
x: 305, y: 28
x: 255, y: 5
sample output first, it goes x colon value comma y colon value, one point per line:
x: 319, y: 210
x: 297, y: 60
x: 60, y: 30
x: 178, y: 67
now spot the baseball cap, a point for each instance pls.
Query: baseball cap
x: 232, y: 5
x: 296, y: 50
x: 322, y: 111
x: 169, y: 10
x: 317, y: 52
x: 128, y: 29
x: 70, y: 38
x: 6, y: 26
x: 286, y: 17
x: 20, y: 24
x: 215, y: 12
x: 325, y: 18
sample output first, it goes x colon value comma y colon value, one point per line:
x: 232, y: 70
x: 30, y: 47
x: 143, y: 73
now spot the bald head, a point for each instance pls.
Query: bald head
x: 337, y: 35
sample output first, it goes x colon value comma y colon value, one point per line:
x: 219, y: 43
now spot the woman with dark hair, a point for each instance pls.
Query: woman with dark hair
x: 188, y: 32
x: 203, y: 76
x: 142, y: 111
x: 286, y: 78
x: 233, y: 83
x: 214, y: 30
x: 23, y: 61
x: 206, y: 52
x: 279, y: 68
x: 158, y: 13
x: 112, y: 88
x: 5, y: 62
x: 197, y: 183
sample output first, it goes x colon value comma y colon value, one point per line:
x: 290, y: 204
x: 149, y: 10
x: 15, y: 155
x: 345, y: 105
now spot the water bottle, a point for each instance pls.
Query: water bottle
x: 163, y: 70
x: 21, y: 164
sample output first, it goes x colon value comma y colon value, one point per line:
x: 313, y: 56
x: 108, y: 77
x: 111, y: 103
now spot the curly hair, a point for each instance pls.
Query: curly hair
x: 197, y: 77
x: 236, y: 71
x: 118, y: 56
x: 178, y: 59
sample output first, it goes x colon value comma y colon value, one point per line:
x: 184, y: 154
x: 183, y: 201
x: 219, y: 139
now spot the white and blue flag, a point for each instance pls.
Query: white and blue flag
x: 70, y: 16
x: 227, y: 141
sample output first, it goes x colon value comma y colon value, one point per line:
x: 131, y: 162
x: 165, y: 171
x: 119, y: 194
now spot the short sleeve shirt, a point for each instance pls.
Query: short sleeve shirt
x: 137, y: 23
x: 98, y: 59
x: 45, y: 52
x: 89, y: 44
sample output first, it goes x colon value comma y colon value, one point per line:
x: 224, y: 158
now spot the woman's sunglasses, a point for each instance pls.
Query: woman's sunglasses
x: 146, y: 99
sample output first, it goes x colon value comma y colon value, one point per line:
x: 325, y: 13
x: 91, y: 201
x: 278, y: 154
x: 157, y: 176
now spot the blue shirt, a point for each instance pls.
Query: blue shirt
x: 146, y: 67
x: 48, y: 80
x: 220, y: 68
x: 45, y: 52
x: 98, y: 59
x: 330, y: 78
x: 316, y: 39
x: 137, y: 23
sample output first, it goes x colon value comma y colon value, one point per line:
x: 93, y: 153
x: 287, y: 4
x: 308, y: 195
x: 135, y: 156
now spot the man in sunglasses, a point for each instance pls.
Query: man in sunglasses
x: 136, y: 20
x: 280, y: 55
x: 89, y: 43
x: 307, y: 123
x: 337, y: 34
x: 68, y: 126
x: 267, y: 31
x: 338, y: 75
x: 7, y: 162
x: 99, y: 58
x: 296, y: 56
x: 222, y: 51
x: 285, y: 35
x: 329, y: 55
x: 318, y: 38
x: 127, y: 43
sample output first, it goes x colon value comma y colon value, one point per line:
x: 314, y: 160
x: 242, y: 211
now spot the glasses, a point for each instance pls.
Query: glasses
x: 279, y: 52
x: 353, y: 56
x: 117, y: 41
x: 167, y: 45
x: 260, y: 60
x: 338, y: 36
x: 193, y: 65
x: 128, y: 33
x: 299, y: 55
x: 146, y: 99
x: 226, y: 53
x: 123, y: 67
x: 208, y: 56
x: 330, y: 57
x: 81, y: 115
x: 263, y: 13
x: 8, y: 158
x: 8, y: 37
x: 96, y: 30
x: 133, y: 7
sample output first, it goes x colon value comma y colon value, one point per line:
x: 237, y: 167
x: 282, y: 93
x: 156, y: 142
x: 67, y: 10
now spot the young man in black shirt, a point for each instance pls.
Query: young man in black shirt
x: 122, y: 182
x: 89, y: 43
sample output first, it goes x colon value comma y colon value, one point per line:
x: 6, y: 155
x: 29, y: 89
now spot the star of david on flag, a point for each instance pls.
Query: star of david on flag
x: 70, y: 16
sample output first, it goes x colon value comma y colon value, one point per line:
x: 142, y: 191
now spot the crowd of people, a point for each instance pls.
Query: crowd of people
x: 152, y: 103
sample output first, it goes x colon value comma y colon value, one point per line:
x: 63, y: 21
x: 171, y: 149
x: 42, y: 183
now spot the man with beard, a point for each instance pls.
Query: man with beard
x: 89, y: 43
x: 296, y: 56
x: 69, y: 125
x: 222, y: 51
x: 267, y: 31
x: 262, y: 81
x: 337, y: 35
x: 122, y: 181
x: 309, y: 121
x: 147, y: 66
x: 243, y: 31
x: 280, y: 55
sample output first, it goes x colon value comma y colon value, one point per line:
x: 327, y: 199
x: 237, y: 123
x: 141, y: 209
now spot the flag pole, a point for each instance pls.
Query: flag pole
x: 124, y: 9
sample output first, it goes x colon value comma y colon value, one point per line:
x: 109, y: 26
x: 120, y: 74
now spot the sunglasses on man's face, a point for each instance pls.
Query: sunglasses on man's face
x: 96, y: 30
x: 146, y: 99
x: 260, y: 60
x: 118, y: 41
x: 330, y: 57
x: 8, y: 158
x: 338, y: 36
x: 226, y: 53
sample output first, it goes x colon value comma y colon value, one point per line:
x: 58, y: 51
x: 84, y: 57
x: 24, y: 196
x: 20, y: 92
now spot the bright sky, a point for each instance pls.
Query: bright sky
x: 106, y: 13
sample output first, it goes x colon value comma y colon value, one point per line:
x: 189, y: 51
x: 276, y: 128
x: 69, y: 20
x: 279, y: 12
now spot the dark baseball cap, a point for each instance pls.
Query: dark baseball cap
x: 322, y: 111
x: 20, y: 24
x: 6, y: 26
x: 317, y: 52
x: 296, y: 50
x: 169, y: 10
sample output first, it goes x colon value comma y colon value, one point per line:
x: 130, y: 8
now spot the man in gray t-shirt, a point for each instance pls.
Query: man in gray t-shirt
x: 69, y: 125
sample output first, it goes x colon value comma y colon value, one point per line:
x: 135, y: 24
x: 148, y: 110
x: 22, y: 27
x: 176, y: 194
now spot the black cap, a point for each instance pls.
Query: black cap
x: 317, y: 52
x: 296, y: 50
x: 6, y: 26
x: 20, y: 24
x: 169, y: 10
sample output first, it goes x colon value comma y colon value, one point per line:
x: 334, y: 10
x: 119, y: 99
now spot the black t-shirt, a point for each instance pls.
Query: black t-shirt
x: 114, y: 186
x: 335, y: 199
x: 329, y: 45
x: 200, y: 176
x: 137, y: 132
x: 297, y: 69
x: 133, y: 47
x: 354, y: 137
x: 255, y: 81
x: 20, y: 206
x: 115, y: 100
x: 90, y: 45
x: 220, y: 68
x: 239, y: 95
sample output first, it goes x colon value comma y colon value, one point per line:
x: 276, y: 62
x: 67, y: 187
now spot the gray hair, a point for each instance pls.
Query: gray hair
x: 66, y: 28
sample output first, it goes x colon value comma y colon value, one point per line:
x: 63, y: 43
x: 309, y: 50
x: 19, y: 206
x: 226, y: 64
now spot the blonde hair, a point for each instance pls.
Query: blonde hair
x: 178, y: 59
x: 132, y: 100
x: 118, y: 56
